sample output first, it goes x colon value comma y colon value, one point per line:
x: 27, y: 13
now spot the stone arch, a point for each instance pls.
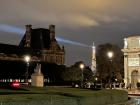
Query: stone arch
x: 134, y: 78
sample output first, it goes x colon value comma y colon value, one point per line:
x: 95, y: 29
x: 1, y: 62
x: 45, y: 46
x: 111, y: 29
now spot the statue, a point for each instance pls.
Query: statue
x: 37, y: 70
x: 93, y: 47
x: 139, y: 41
x: 125, y: 43
x: 37, y: 77
x: 93, y: 43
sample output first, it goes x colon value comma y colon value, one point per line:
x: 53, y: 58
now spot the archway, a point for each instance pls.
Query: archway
x: 134, y: 78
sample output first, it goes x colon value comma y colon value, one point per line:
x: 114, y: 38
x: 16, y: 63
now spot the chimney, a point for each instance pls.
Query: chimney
x: 28, y: 35
x: 28, y: 28
x: 52, y: 31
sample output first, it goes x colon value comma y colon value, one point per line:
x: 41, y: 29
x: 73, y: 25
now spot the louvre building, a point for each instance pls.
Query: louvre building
x: 40, y: 44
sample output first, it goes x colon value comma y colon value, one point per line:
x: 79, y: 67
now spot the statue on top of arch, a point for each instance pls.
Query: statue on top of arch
x: 125, y: 43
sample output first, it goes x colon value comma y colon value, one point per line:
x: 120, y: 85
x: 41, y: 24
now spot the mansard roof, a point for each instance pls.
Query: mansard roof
x: 40, y: 38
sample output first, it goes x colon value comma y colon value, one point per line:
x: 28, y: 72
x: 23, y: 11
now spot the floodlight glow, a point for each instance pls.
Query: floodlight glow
x: 20, y: 31
x: 11, y: 29
x: 71, y: 42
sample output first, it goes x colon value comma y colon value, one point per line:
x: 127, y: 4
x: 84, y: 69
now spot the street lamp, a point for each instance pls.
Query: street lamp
x: 95, y: 82
x: 82, y: 68
x: 96, y: 78
x: 27, y: 59
x: 110, y: 55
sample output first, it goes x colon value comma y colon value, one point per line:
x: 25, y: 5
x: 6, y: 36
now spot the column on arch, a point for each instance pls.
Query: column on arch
x: 126, y: 79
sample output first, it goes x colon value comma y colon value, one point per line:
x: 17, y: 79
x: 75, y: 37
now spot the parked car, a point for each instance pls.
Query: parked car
x: 15, y: 84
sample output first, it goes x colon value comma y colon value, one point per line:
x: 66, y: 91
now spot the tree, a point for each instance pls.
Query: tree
x: 53, y: 72
x: 71, y: 74
x: 105, y: 66
x: 87, y: 72
x: 88, y: 75
x: 74, y: 73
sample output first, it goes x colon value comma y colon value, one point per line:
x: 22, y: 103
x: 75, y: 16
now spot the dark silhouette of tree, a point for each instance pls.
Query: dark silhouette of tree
x: 106, y: 67
x: 53, y: 72
x: 88, y: 75
x: 74, y: 73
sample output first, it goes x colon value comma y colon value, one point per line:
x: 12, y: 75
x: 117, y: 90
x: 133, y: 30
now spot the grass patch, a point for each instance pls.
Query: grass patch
x: 60, y: 96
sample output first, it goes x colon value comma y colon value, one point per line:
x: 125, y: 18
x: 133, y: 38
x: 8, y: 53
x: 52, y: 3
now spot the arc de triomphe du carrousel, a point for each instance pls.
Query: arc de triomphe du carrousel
x: 131, y: 61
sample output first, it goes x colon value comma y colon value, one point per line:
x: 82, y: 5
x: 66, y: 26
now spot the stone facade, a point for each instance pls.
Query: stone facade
x: 43, y: 41
x: 131, y: 61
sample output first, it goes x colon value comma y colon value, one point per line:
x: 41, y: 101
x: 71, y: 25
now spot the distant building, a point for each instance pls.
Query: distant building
x: 39, y: 43
x: 44, y: 42
x: 131, y: 61
x: 93, y: 61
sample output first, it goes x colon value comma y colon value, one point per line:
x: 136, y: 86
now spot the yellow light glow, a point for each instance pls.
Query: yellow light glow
x: 82, y: 66
x: 27, y: 58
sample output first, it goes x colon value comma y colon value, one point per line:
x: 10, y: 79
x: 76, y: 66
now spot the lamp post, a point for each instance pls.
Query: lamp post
x: 110, y: 55
x: 27, y: 60
x: 96, y: 82
x: 82, y: 68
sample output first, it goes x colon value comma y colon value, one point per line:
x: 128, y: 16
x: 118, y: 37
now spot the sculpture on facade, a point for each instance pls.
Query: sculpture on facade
x: 125, y: 43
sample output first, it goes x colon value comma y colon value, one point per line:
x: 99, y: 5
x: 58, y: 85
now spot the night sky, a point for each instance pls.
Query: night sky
x: 78, y: 22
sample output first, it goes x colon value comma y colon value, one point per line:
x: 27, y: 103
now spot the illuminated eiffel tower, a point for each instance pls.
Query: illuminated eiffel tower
x: 93, y: 63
